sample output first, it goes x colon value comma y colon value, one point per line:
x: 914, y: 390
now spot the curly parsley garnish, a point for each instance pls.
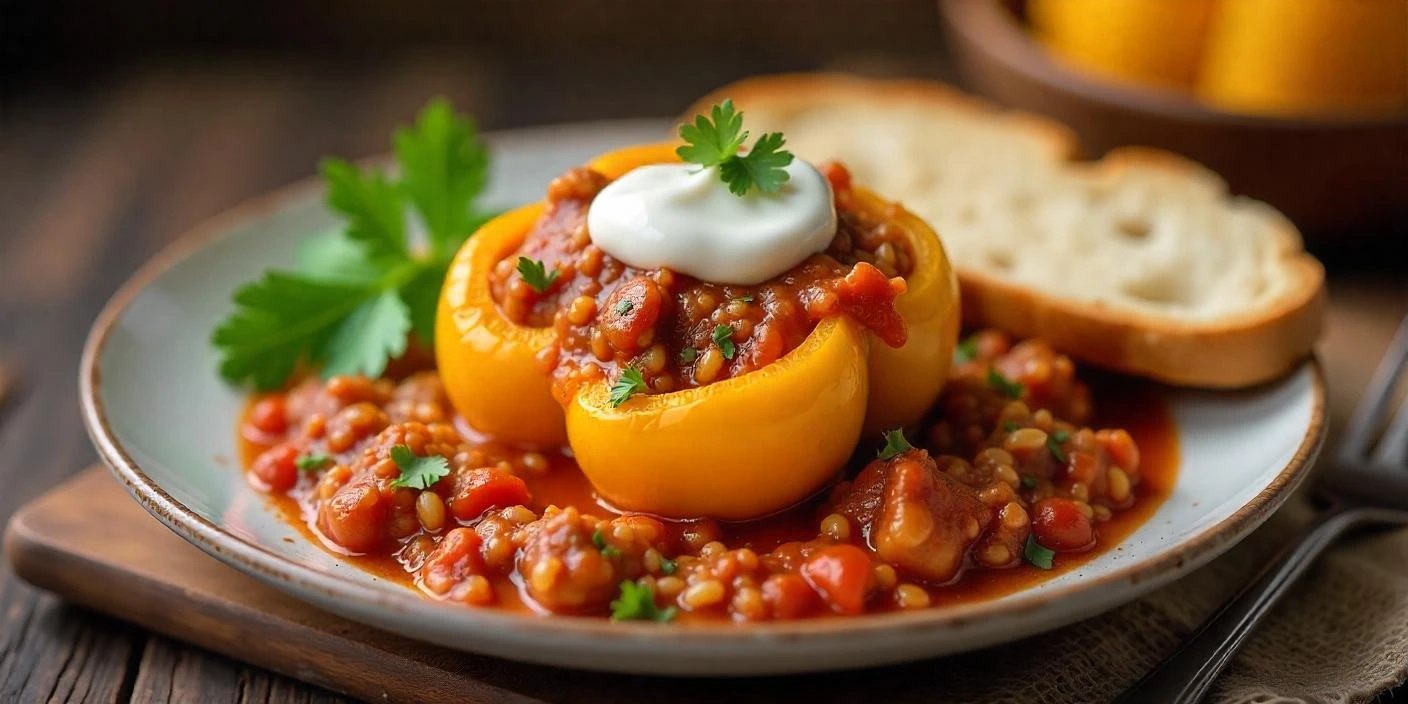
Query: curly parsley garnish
x: 688, y: 354
x: 625, y: 306
x: 630, y: 383
x: 715, y: 142
x: 1037, y: 554
x: 637, y: 603
x: 895, y: 445
x: 723, y: 337
x: 359, y: 291
x: 1010, y: 389
x: 417, y: 472
x: 667, y: 566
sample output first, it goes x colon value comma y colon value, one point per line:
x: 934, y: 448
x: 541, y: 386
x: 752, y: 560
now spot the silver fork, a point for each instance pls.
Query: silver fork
x: 1367, y: 483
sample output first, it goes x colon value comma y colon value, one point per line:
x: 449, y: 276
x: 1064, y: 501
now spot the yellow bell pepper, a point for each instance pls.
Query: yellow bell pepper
x: 738, y: 448
x: 1308, y: 57
x: 488, y: 363
x: 1145, y: 42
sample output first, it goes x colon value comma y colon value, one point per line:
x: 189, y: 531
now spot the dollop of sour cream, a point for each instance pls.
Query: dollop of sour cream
x: 683, y: 217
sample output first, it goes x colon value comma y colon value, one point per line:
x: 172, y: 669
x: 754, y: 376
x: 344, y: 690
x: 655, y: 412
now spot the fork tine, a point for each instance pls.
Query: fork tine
x: 1368, y: 414
x: 1392, y: 450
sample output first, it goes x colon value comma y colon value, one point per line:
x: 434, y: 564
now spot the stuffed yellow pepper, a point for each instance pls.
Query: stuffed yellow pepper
x: 719, y: 333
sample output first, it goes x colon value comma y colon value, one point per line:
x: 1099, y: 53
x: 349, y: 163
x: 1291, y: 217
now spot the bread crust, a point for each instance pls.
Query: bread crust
x: 1242, y: 350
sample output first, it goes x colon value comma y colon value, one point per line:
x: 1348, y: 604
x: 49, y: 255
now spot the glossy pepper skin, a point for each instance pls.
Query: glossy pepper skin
x: 488, y: 363
x: 732, y: 449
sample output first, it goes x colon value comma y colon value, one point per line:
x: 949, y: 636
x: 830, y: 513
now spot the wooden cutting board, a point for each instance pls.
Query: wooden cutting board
x: 91, y: 543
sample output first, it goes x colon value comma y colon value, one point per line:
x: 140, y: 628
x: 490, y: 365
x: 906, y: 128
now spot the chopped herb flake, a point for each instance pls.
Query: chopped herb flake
x: 637, y: 603
x: 312, y: 462
x: 723, y: 337
x: 1009, y: 388
x: 1036, y: 554
x: 895, y: 445
x: 535, y: 274
x: 630, y: 383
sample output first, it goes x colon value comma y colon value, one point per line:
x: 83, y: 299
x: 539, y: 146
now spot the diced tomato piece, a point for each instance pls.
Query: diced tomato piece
x: 478, y: 490
x: 630, y: 312
x: 270, y: 415
x: 841, y: 575
x: 1060, y: 525
x: 276, y: 468
x: 869, y: 297
x: 789, y: 596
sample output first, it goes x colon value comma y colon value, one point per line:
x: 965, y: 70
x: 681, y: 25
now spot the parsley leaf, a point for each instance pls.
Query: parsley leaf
x: 1053, y: 443
x: 279, y: 320
x: 372, y: 334
x: 1010, y: 426
x: 374, y: 208
x: 1037, y: 554
x: 1009, y: 388
x: 312, y: 462
x: 667, y: 566
x: 625, y: 306
x: 1028, y: 481
x: 710, y: 143
x: 763, y: 166
x: 608, y: 550
x: 444, y: 167
x: 630, y: 383
x: 637, y: 603
x: 895, y: 445
x: 723, y: 337
x: 688, y: 354
x: 417, y: 472
x: 715, y: 142
x: 361, y: 290
x: 535, y: 274
x: 746, y: 298
x: 966, y: 351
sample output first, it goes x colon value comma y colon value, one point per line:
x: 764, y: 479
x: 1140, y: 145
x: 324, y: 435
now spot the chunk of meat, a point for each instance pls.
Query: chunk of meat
x: 358, y: 516
x: 915, y: 517
x: 563, y: 568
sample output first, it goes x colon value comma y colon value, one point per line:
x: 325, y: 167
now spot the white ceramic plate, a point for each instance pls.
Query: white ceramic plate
x: 163, y: 420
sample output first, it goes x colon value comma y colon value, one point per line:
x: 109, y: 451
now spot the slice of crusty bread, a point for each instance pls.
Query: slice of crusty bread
x: 1139, y: 262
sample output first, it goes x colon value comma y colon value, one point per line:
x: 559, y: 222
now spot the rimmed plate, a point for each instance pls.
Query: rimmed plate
x: 164, y: 422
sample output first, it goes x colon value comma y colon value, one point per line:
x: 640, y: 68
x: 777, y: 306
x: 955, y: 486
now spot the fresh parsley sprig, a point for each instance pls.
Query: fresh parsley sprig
x: 536, y: 275
x: 417, y: 472
x: 360, y: 291
x: 630, y: 383
x: 637, y: 603
x: 714, y: 141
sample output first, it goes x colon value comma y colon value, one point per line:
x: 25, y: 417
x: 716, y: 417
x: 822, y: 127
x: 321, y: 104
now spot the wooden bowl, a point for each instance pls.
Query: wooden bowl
x: 1330, y: 176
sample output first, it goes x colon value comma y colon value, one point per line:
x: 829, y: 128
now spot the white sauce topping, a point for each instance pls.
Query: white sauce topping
x: 682, y: 217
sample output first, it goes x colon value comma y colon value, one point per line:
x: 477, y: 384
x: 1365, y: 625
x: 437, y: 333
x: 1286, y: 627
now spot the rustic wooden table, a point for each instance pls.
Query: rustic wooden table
x: 95, y: 176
